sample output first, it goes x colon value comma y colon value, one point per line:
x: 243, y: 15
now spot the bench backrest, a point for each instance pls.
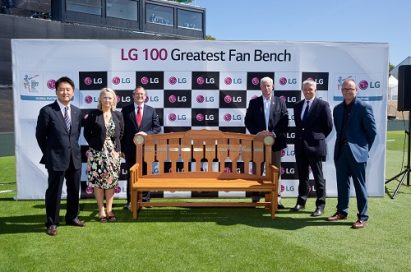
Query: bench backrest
x: 217, y: 154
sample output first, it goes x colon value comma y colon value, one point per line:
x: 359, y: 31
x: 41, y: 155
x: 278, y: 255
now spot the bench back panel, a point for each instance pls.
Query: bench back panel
x: 168, y: 155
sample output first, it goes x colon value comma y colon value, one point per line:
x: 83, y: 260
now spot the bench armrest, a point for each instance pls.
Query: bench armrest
x: 134, y: 173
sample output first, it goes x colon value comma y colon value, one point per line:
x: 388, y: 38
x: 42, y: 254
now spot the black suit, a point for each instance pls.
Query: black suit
x: 277, y: 123
x: 95, y: 129
x: 62, y: 158
x: 310, y: 147
x: 150, y: 124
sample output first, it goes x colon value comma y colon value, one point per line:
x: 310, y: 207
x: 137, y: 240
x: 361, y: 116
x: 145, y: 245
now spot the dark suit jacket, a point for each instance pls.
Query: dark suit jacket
x: 95, y: 129
x: 311, y: 133
x: 150, y: 124
x: 57, y: 144
x: 361, y: 129
x: 278, y: 120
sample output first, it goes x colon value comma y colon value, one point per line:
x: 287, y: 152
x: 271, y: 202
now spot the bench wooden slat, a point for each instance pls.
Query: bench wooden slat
x: 204, y: 185
x: 203, y: 204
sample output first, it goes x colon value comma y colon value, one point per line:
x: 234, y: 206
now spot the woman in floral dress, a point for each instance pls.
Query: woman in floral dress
x: 103, y: 129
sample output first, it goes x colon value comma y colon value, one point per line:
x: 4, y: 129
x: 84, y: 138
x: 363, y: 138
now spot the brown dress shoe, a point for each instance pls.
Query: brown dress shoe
x: 337, y: 216
x: 52, y: 230
x: 359, y: 224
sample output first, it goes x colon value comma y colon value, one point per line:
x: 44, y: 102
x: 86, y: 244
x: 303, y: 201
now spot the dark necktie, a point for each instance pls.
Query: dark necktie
x: 139, y: 116
x: 67, y: 118
x: 306, y: 111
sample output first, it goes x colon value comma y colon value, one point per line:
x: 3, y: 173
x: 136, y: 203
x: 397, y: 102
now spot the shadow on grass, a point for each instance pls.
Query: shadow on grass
x: 390, y: 192
x: 254, y: 217
x: 22, y: 224
x: 33, y: 223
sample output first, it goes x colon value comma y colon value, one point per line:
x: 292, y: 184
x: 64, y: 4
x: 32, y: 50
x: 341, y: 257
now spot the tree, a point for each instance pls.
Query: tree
x: 209, y: 37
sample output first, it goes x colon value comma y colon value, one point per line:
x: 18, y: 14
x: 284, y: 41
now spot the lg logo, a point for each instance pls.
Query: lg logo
x: 229, y: 81
x: 175, y: 117
x: 174, y: 80
x: 201, y: 99
x: 88, y: 81
x: 146, y: 80
x: 231, y: 117
x: 117, y: 80
x: 201, y: 80
x: 283, y: 81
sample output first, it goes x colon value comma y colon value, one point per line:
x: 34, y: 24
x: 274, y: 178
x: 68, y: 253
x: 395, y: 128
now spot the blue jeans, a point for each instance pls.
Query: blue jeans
x: 346, y: 167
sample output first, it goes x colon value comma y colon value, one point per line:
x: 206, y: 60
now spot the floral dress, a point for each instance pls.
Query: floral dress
x: 103, y: 166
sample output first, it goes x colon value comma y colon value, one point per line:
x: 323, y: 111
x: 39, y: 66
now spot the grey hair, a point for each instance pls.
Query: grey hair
x: 310, y: 81
x: 266, y: 79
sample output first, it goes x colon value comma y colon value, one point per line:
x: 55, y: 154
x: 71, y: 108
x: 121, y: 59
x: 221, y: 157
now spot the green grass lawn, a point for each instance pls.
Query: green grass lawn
x: 209, y: 239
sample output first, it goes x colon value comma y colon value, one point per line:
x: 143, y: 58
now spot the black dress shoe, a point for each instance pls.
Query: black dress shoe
x: 297, y: 208
x: 318, y: 212
x: 76, y: 222
x: 280, y: 206
x: 52, y: 230
x: 127, y: 206
x: 255, y: 199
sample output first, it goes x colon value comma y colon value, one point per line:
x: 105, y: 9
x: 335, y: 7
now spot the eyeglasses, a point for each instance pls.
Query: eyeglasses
x: 139, y: 94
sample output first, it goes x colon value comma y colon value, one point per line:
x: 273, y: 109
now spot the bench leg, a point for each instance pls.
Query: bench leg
x: 267, y: 199
x: 274, y: 203
x: 138, y: 203
x: 134, y: 203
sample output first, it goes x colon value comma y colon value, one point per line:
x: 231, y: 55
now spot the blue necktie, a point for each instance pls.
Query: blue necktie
x: 306, y: 111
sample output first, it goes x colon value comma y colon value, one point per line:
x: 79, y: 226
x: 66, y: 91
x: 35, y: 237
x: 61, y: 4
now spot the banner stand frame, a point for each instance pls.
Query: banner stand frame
x: 407, y: 170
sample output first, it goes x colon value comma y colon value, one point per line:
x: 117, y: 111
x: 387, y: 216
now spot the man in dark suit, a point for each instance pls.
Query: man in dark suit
x: 267, y: 115
x: 57, y: 133
x: 139, y: 118
x: 313, y: 123
x: 356, y: 130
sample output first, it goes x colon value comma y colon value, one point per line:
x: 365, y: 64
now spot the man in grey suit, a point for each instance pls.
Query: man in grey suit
x: 356, y: 130
x: 268, y: 115
x: 139, y: 118
x: 313, y: 124
x: 57, y: 134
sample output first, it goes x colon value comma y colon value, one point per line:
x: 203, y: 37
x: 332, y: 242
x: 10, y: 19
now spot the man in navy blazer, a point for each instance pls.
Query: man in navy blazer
x: 268, y: 115
x: 313, y: 124
x: 356, y: 130
x: 57, y: 134
x: 150, y: 124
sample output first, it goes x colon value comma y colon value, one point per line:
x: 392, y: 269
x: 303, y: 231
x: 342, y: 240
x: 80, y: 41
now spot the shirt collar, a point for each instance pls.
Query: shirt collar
x: 311, y: 100
x: 62, y: 106
x: 136, y: 106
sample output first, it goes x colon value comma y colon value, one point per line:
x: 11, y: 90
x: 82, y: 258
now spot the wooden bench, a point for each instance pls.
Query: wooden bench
x: 224, y: 162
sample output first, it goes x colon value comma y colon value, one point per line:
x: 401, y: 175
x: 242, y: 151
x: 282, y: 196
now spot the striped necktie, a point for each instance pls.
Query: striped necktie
x: 67, y: 118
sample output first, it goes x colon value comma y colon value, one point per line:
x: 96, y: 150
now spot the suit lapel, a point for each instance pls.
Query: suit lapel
x: 311, y: 111
x: 146, y: 115
x: 298, y: 110
x: 74, y: 120
x: 132, y: 117
x: 59, y: 116
x: 273, y: 105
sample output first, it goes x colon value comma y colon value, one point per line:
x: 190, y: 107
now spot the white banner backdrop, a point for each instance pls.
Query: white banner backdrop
x: 194, y: 84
